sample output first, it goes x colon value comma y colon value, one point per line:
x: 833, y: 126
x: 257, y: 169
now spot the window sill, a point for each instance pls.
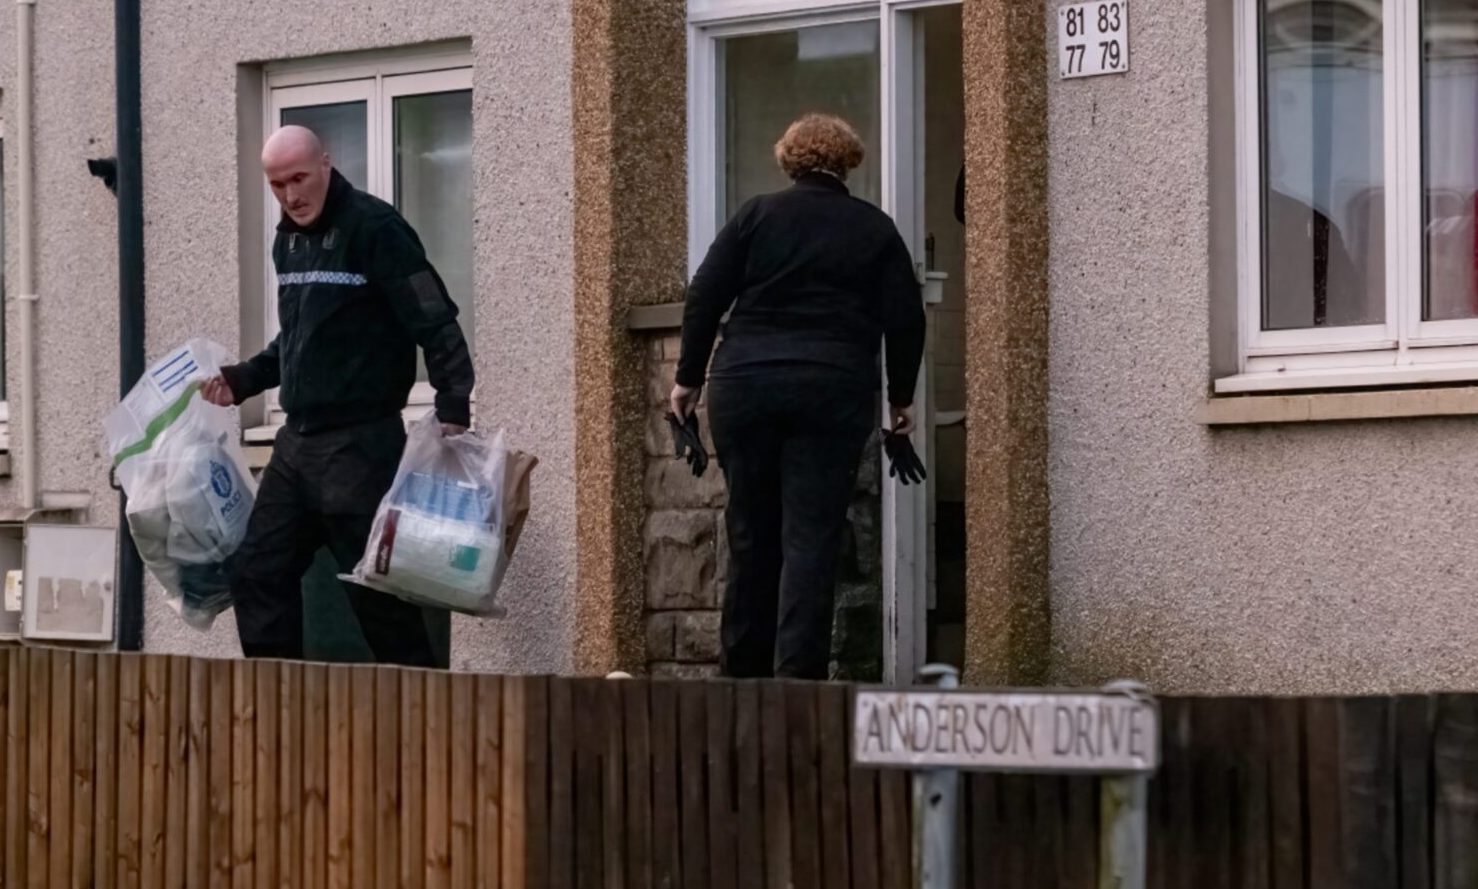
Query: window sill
x: 1428, y: 374
x: 260, y: 435
x: 663, y: 317
x: 1323, y: 407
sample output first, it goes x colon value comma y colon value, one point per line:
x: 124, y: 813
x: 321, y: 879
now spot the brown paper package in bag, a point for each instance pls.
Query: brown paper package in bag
x: 516, y: 497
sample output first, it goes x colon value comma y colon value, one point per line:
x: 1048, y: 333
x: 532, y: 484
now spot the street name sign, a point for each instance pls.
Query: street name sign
x: 1031, y: 732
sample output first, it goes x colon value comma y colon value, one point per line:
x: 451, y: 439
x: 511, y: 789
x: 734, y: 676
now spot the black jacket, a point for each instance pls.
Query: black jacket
x: 814, y: 276
x: 355, y: 297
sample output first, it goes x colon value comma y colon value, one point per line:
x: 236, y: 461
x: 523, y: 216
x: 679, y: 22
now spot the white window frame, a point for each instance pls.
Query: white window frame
x: 714, y: 22
x: 1405, y: 350
x: 377, y: 82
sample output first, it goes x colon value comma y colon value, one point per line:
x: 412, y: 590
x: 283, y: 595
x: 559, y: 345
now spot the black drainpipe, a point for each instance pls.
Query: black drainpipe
x: 130, y: 139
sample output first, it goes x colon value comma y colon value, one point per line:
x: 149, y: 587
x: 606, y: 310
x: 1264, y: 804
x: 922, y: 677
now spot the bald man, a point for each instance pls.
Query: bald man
x: 356, y: 297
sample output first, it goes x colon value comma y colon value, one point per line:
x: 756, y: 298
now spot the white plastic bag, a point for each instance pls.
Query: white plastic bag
x: 189, y: 490
x: 439, y: 534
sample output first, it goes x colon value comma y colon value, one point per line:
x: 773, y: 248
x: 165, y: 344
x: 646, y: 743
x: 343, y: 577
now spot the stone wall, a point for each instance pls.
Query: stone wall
x: 685, y: 551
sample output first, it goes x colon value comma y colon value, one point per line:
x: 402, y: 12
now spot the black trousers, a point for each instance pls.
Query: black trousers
x: 321, y: 490
x: 789, y: 441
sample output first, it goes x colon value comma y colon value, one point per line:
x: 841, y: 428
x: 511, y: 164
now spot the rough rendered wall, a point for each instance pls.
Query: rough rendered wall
x: 76, y: 236
x: 522, y: 253
x: 191, y: 59
x: 1314, y: 558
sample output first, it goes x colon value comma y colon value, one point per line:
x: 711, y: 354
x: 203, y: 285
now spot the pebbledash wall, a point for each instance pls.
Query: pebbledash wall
x: 1248, y: 557
x: 76, y: 234
x: 200, y: 70
x: 1255, y: 558
x: 1298, y: 557
x: 577, y: 169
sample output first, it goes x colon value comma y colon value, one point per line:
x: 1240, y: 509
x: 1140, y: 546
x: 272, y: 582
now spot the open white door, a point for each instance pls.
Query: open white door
x: 905, y: 508
x: 909, y: 558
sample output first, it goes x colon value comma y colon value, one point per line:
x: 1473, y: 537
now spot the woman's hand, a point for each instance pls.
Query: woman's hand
x: 903, y: 423
x: 684, y: 400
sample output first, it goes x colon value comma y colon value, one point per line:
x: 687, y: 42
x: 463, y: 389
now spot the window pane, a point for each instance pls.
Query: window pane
x: 433, y: 186
x: 774, y: 78
x: 1450, y: 147
x: 1324, y: 164
x: 343, y: 127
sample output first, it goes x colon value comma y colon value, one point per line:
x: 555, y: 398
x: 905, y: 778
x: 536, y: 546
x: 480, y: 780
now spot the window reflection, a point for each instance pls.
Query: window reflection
x: 1450, y: 157
x: 1324, y: 163
x: 433, y: 189
x: 771, y: 79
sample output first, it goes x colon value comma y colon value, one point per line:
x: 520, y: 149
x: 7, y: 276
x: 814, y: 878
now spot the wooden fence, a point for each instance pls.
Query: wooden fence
x: 151, y: 771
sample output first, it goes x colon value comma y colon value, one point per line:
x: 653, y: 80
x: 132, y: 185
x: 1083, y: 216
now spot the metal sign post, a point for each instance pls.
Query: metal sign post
x: 1123, y: 817
x: 935, y: 806
x: 1123, y: 832
x: 1113, y: 733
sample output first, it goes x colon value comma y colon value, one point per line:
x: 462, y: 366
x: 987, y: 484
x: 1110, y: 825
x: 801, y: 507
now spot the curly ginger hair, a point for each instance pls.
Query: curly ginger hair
x: 819, y: 143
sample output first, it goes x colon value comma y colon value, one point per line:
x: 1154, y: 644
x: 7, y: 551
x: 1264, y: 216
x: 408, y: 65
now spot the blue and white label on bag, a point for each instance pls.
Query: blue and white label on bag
x: 173, y: 372
x: 161, y: 385
x: 447, y: 497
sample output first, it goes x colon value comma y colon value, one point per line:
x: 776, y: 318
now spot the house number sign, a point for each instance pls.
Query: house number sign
x: 1093, y: 39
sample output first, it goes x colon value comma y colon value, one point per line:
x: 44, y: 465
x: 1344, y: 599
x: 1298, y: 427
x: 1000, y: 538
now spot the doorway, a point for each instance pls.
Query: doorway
x: 895, y: 71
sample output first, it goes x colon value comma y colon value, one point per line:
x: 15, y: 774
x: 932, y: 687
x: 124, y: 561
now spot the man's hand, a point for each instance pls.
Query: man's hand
x: 903, y: 422
x: 684, y: 400
x: 452, y: 430
x: 218, y: 392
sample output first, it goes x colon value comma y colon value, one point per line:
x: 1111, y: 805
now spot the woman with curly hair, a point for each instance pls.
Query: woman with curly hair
x: 814, y: 281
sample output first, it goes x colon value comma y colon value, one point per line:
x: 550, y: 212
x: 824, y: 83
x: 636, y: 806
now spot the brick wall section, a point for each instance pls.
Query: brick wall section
x: 685, y: 551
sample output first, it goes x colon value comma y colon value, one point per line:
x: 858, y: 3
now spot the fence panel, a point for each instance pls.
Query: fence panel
x: 132, y: 771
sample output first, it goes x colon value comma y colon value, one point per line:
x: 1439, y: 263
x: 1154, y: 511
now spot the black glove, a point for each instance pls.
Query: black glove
x: 903, y: 462
x: 687, y: 443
